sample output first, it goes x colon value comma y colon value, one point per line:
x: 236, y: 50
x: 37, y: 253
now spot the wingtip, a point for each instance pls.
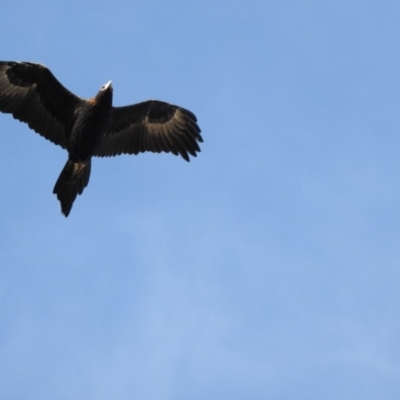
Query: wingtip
x: 185, y: 156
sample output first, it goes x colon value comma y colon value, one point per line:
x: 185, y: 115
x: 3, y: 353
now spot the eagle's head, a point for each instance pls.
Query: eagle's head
x: 104, y: 95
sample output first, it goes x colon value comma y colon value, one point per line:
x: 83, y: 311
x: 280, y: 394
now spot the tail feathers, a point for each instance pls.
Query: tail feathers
x: 73, y: 179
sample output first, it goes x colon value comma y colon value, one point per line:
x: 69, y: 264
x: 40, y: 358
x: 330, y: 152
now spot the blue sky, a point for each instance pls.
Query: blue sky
x: 266, y: 268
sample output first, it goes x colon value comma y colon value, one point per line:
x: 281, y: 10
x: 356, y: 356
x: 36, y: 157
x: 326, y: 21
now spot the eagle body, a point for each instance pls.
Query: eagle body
x: 92, y: 122
x: 91, y: 127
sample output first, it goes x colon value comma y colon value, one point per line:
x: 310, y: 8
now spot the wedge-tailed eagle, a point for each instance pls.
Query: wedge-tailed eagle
x: 93, y: 127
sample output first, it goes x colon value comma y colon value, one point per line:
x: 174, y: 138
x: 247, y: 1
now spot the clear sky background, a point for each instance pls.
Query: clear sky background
x: 266, y: 268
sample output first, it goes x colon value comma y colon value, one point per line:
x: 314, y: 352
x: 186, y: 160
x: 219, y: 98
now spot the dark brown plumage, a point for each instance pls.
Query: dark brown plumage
x: 93, y: 127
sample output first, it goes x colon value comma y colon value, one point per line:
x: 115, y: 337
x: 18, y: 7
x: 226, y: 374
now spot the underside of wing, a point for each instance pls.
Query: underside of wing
x: 151, y: 126
x: 32, y: 94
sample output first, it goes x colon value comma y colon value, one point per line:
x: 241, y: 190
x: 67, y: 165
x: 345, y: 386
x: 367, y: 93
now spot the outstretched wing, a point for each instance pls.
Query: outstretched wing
x: 32, y: 94
x: 151, y: 126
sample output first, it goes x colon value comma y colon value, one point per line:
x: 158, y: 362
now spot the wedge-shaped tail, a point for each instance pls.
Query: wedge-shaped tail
x: 73, y: 179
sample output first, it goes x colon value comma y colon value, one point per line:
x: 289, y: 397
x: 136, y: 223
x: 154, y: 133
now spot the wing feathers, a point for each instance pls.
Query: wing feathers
x: 32, y: 94
x: 151, y: 126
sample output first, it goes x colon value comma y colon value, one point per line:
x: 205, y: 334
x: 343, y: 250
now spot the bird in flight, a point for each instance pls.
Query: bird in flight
x: 93, y: 127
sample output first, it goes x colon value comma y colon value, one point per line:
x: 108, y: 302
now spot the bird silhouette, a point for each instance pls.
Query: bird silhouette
x: 91, y: 127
